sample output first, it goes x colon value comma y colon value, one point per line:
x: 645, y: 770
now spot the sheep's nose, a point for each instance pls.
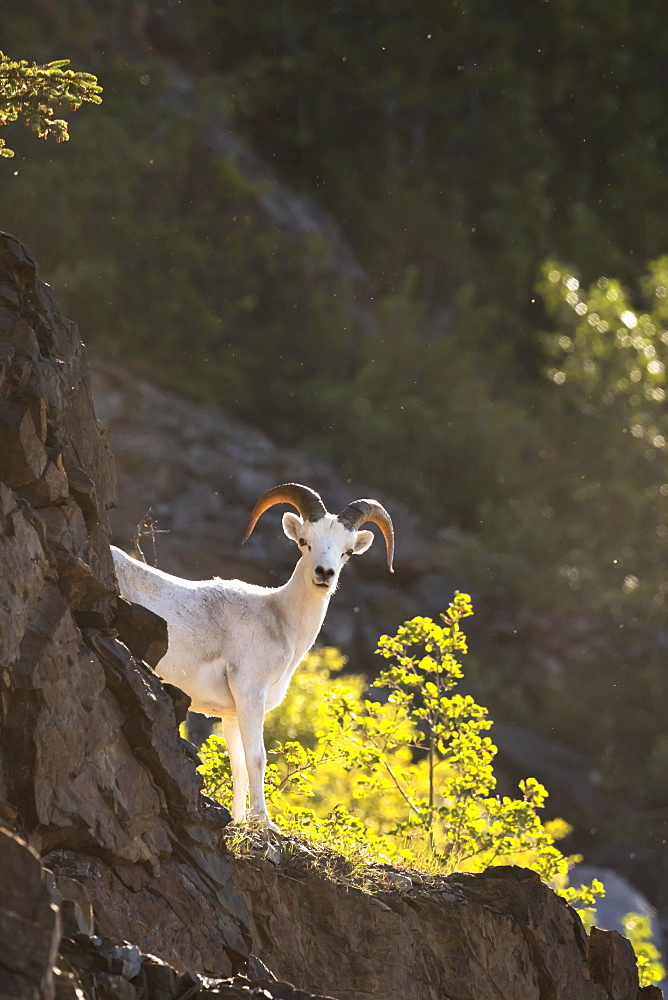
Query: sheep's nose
x: 324, y: 574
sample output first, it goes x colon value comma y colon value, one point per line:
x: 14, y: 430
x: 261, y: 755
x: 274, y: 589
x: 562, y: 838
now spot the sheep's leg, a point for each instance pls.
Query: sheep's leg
x: 250, y: 715
x: 235, y: 748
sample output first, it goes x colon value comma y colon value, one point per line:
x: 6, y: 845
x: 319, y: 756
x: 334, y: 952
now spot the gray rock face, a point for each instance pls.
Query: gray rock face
x: 92, y: 769
x: 29, y: 924
x: 114, y: 881
x: 502, y: 934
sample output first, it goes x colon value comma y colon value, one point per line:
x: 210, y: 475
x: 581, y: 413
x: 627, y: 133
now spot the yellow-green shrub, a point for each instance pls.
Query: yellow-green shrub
x: 408, y: 778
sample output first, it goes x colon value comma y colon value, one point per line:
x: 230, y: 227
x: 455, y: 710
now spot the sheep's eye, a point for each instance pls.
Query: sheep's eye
x: 348, y: 553
x: 302, y: 541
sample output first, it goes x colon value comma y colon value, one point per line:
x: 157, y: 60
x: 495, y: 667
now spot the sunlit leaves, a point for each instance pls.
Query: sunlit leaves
x: 406, y: 778
x: 585, y: 898
x: 215, y: 769
x: 31, y: 94
x: 609, y: 354
x: 638, y: 929
x: 609, y: 359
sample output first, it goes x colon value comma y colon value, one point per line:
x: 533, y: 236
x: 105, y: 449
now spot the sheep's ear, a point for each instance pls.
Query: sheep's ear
x: 363, y: 542
x: 292, y: 526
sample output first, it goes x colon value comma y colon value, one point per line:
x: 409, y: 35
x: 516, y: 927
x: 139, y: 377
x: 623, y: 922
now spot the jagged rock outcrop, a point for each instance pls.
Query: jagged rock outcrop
x: 499, y: 934
x: 49, y: 948
x: 115, y: 881
x: 93, y: 772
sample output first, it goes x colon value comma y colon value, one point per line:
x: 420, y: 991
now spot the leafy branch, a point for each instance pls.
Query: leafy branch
x: 30, y: 94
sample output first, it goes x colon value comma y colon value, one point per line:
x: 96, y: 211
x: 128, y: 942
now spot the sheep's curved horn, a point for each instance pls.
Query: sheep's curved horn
x: 359, y: 512
x: 307, y: 502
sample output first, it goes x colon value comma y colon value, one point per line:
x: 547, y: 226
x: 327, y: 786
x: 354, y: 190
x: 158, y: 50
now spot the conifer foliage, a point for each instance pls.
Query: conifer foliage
x: 33, y: 95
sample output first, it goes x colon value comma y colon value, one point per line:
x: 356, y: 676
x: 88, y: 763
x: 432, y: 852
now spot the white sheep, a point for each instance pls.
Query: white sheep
x: 234, y: 646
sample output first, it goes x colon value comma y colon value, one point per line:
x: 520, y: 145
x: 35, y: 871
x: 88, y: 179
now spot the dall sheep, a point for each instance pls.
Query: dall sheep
x: 234, y: 646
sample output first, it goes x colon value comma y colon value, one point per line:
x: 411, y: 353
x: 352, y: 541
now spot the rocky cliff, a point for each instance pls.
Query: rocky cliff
x: 115, y: 879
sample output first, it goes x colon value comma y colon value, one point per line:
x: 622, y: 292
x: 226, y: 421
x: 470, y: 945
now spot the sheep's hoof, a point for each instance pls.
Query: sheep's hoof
x: 263, y: 823
x: 259, y: 824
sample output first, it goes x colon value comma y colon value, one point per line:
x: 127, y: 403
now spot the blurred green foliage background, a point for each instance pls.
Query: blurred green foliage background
x: 458, y: 146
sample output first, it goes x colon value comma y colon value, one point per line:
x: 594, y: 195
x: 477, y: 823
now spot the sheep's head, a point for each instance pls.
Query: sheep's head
x: 326, y: 541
